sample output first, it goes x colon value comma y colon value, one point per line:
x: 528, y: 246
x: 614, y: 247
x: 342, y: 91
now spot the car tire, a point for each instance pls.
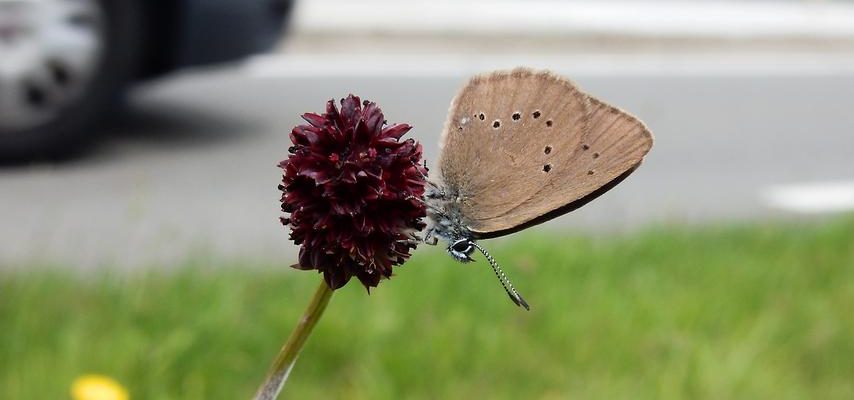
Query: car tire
x: 72, y: 126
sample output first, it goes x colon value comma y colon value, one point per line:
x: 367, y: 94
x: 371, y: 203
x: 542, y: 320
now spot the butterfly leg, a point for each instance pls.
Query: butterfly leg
x: 433, y: 191
x: 429, y: 238
x: 422, y: 173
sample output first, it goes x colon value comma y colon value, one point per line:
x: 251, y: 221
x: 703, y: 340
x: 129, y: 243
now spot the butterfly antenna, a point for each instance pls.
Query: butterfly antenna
x: 502, y: 277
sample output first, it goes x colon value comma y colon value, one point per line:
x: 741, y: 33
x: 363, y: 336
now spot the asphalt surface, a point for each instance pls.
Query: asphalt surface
x: 191, y: 171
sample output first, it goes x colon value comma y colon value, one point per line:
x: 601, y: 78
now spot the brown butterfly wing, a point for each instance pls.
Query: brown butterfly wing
x: 494, y: 143
x: 611, y: 149
x: 565, y: 149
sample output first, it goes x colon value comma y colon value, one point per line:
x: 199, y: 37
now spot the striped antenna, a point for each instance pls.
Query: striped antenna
x: 502, y: 277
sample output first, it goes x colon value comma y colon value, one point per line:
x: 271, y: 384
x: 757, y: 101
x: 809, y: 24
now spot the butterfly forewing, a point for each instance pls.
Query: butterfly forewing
x: 552, y: 147
x: 502, y: 131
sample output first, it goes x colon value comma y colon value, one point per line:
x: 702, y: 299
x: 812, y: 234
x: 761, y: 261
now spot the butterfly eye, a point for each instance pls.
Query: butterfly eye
x: 462, y: 246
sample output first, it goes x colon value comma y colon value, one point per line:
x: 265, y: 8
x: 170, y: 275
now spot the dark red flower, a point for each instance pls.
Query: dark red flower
x: 353, y: 191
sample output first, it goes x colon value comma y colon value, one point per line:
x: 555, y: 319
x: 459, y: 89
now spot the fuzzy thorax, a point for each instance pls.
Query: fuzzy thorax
x: 444, y: 217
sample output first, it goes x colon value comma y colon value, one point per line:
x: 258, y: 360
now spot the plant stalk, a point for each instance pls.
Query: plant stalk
x: 287, y: 357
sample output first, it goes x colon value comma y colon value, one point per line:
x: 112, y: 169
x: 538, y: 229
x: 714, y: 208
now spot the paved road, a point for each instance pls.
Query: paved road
x: 193, y: 165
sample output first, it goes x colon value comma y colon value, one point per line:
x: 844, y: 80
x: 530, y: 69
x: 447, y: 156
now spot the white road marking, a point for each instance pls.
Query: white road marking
x: 812, y: 198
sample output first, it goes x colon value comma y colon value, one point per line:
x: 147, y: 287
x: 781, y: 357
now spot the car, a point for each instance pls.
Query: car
x: 65, y: 63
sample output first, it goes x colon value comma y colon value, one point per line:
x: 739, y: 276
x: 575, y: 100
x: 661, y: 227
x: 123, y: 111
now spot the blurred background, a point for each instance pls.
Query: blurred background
x: 140, y: 235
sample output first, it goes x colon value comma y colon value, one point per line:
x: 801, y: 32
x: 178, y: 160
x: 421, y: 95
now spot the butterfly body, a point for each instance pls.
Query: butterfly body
x: 519, y: 148
x: 445, y: 216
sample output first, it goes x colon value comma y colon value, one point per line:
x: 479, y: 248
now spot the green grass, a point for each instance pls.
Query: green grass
x: 746, y: 312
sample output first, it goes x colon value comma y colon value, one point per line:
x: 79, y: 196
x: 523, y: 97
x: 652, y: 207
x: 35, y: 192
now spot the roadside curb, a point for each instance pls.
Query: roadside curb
x: 764, y: 21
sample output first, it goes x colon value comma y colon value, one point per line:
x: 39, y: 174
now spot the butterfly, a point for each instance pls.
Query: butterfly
x: 519, y: 148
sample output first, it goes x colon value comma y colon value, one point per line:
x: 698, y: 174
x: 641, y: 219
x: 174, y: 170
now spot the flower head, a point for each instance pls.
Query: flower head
x: 352, y: 189
x: 97, y: 387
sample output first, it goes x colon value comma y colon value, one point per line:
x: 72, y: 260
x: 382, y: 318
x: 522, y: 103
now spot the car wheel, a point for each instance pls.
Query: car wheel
x: 64, y: 63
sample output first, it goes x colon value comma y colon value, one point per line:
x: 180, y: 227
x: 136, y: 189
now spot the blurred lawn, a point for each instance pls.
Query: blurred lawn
x: 747, y: 312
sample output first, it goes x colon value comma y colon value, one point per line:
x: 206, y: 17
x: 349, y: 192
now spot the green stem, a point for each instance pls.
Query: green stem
x: 284, y: 362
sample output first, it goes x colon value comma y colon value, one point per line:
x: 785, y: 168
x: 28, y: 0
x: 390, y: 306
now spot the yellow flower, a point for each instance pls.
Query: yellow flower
x: 97, y: 387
